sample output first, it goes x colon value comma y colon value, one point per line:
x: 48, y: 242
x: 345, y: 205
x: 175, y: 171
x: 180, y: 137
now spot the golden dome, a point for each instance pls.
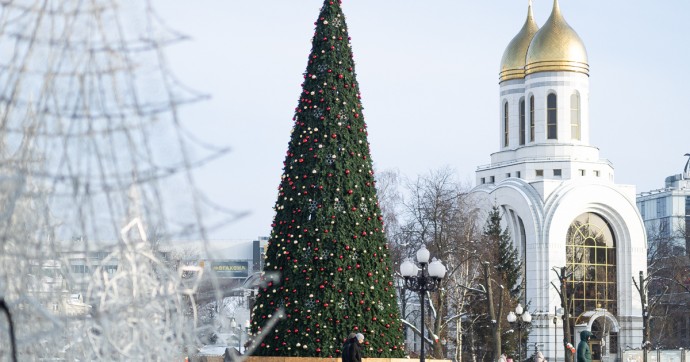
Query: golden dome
x: 513, y: 61
x: 556, y: 47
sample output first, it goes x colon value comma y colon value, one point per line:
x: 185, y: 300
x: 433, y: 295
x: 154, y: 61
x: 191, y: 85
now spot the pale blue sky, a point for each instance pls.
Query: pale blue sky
x: 428, y: 71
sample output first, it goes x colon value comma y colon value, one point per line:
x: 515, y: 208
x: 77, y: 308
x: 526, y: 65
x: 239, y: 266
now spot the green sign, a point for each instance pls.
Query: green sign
x: 231, y: 269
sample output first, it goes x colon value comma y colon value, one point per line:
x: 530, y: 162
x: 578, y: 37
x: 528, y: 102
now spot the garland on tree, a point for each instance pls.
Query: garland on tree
x: 327, y: 246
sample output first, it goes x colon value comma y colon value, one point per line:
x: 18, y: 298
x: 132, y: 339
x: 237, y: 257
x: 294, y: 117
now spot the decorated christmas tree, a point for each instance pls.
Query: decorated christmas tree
x: 327, y: 250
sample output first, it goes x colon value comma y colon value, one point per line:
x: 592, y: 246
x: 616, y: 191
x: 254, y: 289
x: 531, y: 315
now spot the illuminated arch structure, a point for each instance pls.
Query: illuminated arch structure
x: 558, y: 198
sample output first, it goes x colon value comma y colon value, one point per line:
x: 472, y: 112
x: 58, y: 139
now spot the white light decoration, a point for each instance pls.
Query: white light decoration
x: 511, y: 317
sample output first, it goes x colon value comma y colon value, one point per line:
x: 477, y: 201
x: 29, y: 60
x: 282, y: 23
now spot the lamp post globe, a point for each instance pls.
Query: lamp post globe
x: 423, y: 255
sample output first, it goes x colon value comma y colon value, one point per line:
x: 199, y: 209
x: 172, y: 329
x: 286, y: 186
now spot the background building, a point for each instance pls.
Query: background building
x: 231, y: 262
x: 666, y: 212
x: 558, y: 197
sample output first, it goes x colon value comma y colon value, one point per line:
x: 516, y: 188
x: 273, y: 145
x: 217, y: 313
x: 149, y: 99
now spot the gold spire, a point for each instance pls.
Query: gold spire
x: 513, y: 61
x: 556, y: 47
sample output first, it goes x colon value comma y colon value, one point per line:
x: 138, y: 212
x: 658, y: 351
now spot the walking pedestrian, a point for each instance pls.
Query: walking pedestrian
x: 345, y: 356
x: 356, y: 348
x: 584, y: 354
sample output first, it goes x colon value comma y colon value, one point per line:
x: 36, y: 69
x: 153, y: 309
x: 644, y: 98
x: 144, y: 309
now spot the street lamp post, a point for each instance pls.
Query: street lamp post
x: 247, y: 330
x: 555, y: 338
x: 237, y: 328
x: 521, y: 319
x: 556, y: 312
x: 427, y: 281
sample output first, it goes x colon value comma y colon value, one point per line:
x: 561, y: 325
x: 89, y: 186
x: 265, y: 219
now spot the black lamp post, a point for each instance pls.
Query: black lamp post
x: 427, y: 281
x: 521, y: 319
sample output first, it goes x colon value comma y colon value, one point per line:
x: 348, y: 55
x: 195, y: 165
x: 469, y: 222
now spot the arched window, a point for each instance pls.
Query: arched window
x: 575, y: 130
x: 591, y: 256
x: 551, y: 117
x: 522, y: 122
x: 531, y: 118
x: 506, y: 125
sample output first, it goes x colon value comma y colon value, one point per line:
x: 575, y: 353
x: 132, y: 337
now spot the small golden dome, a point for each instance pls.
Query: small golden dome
x: 513, y: 61
x: 556, y: 47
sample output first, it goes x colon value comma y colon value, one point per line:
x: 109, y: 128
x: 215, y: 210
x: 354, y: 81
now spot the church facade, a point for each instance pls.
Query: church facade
x: 558, y: 197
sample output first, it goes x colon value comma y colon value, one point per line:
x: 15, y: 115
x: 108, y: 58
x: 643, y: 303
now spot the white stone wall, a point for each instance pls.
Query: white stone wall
x: 547, y: 209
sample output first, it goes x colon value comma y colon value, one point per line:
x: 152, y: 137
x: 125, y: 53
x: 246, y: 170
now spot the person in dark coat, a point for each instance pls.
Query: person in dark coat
x: 356, y: 348
x: 584, y: 354
x: 346, y: 347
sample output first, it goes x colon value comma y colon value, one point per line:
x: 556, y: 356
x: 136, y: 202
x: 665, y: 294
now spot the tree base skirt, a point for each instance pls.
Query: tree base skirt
x: 315, y: 359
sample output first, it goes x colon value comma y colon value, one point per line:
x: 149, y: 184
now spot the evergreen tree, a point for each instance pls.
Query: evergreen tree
x: 327, y: 245
x: 506, y: 270
x: 507, y: 262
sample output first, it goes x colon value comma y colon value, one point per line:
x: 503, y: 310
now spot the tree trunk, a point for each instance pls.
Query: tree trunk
x: 495, y: 323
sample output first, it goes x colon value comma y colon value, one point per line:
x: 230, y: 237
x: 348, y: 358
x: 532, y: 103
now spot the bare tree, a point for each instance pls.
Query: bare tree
x: 437, y: 212
x: 667, y: 286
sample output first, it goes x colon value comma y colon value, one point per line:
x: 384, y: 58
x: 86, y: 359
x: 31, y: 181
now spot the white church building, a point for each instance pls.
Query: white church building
x: 558, y: 197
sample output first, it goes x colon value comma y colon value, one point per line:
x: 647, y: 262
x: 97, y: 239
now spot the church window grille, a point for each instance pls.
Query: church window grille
x: 522, y: 122
x: 539, y: 173
x: 531, y: 118
x: 506, y: 125
x: 575, y: 125
x: 591, y: 256
x: 557, y: 172
x: 551, y: 117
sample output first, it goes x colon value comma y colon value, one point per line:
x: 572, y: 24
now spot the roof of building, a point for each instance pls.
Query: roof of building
x: 551, y: 48
x: 556, y: 47
x: 513, y: 61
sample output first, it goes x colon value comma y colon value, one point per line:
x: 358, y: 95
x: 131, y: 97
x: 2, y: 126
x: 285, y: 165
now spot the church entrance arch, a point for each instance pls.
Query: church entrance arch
x: 604, y: 326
